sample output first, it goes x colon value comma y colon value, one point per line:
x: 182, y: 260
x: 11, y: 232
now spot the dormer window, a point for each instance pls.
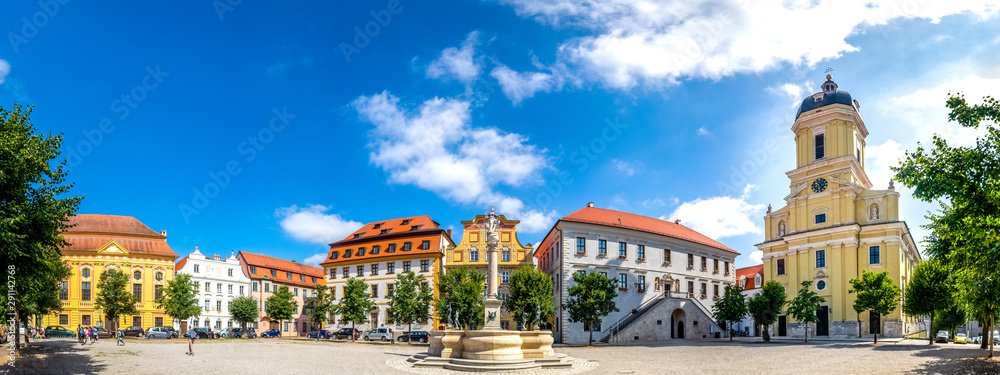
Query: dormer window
x: 743, y: 282
x: 378, y: 226
x: 415, y: 228
x: 358, y: 235
x: 819, y: 140
x: 405, y: 222
x: 334, y: 255
x: 361, y: 251
x: 348, y: 252
x: 384, y: 231
x: 756, y: 281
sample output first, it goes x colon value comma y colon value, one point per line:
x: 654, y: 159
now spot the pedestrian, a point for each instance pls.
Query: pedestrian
x: 80, y: 334
x: 191, y: 335
x: 94, y: 334
x: 121, y: 338
x: 87, y: 332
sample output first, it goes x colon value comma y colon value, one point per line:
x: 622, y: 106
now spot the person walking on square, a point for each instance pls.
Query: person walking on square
x: 191, y: 336
x: 95, y: 333
x: 121, y: 338
x: 79, y: 334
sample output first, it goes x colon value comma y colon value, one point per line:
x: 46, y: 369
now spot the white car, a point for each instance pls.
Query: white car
x: 383, y: 334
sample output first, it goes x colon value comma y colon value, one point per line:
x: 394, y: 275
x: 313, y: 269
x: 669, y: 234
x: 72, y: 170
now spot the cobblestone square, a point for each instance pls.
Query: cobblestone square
x: 295, y: 356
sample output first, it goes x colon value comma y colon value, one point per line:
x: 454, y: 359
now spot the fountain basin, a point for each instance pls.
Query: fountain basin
x: 537, y: 344
x: 446, y: 343
x: 492, y: 345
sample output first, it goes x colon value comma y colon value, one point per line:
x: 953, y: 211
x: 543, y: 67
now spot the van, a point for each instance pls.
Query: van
x: 383, y: 334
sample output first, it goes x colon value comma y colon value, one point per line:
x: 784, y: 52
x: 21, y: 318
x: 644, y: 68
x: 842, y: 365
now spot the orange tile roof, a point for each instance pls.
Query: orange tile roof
x: 180, y: 264
x: 264, y: 264
x: 416, y: 230
x: 91, y: 232
x: 749, y: 273
x: 612, y: 218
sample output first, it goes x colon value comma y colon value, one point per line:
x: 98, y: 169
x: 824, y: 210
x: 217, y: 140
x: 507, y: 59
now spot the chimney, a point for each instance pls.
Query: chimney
x: 678, y: 221
x: 590, y: 204
x: 449, y: 233
x: 163, y: 233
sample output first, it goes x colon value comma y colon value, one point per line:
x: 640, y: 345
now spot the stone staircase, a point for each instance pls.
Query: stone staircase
x: 622, y: 323
x: 652, y: 320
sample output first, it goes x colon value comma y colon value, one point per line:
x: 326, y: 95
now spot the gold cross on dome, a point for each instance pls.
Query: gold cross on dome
x: 829, y: 70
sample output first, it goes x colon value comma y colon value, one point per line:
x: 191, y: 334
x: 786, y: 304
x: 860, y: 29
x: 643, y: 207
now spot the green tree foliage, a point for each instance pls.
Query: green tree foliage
x: 410, y: 302
x: 731, y: 307
x: 929, y: 291
x: 591, y: 298
x: 766, y: 306
x: 460, y: 294
x: 34, y: 208
x: 113, y: 297
x: 318, y: 306
x: 951, y: 317
x: 180, y: 298
x: 531, y: 299
x: 281, y: 305
x: 965, y: 233
x: 876, y: 294
x: 803, y: 307
x: 356, y: 304
x: 245, y: 310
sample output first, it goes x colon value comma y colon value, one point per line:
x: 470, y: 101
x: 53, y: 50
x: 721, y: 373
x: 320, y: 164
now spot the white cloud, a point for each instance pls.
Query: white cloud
x: 652, y: 203
x: 455, y: 63
x: 312, y: 224
x: 660, y: 41
x: 625, y: 167
x: 315, y: 260
x: 719, y: 217
x: 703, y: 131
x: 518, y: 86
x: 434, y: 147
x: 4, y: 70
x: 756, y: 256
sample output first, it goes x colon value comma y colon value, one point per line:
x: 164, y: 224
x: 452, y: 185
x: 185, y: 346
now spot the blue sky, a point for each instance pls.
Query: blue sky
x: 280, y: 129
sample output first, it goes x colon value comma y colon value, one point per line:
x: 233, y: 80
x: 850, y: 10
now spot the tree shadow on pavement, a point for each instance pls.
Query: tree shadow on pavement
x: 56, y: 356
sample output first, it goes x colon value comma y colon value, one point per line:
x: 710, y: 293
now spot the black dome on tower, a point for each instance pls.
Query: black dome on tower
x: 829, y: 96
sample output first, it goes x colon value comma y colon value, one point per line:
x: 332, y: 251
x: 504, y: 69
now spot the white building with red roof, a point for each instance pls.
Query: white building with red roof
x: 751, y: 279
x: 668, y: 275
x: 219, y: 280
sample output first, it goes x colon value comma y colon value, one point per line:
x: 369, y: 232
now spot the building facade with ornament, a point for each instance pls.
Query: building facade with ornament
x: 511, y: 255
x: 750, y: 279
x: 97, y: 243
x: 377, y: 253
x: 835, y: 225
x: 219, y: 280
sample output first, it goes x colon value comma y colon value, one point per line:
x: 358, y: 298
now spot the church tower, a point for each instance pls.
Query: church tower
x: 834, y: 226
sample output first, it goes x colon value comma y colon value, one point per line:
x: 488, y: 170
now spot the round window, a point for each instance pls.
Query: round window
x: 137, y: 275
x: 820, y: 285
x: 85, y: 272
x: 159, y: 276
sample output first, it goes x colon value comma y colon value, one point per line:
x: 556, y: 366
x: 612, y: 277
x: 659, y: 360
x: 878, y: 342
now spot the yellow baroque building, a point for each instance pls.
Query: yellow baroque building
x: 834, y: 226
x: 511, y: 255
x: 101, y: 242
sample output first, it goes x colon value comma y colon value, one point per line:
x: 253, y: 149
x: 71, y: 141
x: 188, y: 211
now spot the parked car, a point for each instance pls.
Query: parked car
x: 159, y: 333
x: 134, y: 331
x: 239, y: 332
x: 321, y: 333
x: 58, y: 331
x: 975, y: 339
x: 415, y: 336
x: 223, y: 332
x: 382, y: 334
x: 942, y: 336
x: 202, y: 333
x: 960, y: 338
x: 271, y: 333
x: 347, y: 333
x: 103, y: 333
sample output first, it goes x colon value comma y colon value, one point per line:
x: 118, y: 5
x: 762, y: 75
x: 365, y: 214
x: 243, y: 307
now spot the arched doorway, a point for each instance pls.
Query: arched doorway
x: 677, y: 324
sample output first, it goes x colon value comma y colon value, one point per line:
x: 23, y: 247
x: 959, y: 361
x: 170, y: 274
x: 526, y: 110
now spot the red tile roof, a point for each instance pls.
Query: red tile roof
x: 416, y: 230
x: 414, y: 224
x: 612, y: 218
x: 749, y: 273
x: 264, y: 264
x: 91, y: 232
x: 180, y: 264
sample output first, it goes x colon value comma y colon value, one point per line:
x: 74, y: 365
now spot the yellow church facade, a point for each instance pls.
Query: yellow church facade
x: 834, y: 225
x: 511, y: 255
x: 101, y: 242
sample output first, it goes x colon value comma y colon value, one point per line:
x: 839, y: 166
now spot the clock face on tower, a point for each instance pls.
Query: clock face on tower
x: 819, y: 185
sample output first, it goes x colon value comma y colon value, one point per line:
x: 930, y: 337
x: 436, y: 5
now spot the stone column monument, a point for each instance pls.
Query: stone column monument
x: 492, y: 225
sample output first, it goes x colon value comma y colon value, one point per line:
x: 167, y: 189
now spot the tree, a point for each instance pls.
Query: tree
x: 592, y: 298
x: 245, y: 310
x: 318, y: 306
x: 281, y: 305
x: 929, y: 290
x: 180, y: 298
x: 966, y: 232
x: 410, y: 301
x: 356, y: 305
x: 803, y: 307
x: 731, y: 307
x: 951, y: 317
x: 460, y: 298
x: 765, y: 307
x: 531, y: 299
x: 34, y: 209
x: 875, y: 293
x: 113, y: 297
